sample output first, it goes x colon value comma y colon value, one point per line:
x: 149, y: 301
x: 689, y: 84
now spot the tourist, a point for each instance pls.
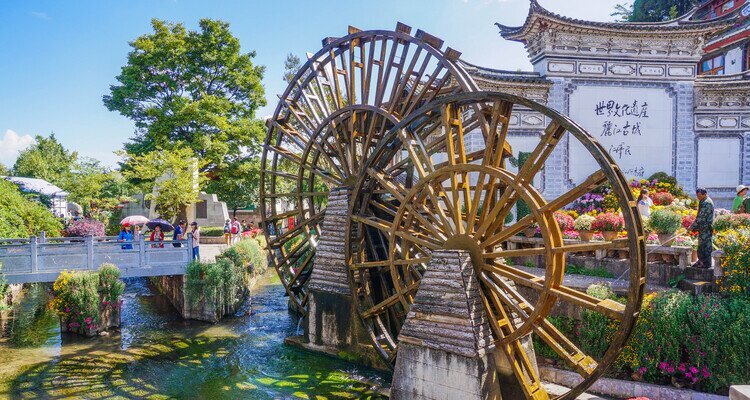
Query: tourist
x: 227, y: 232
x: 704, y: 226
x: 157, y: 236
x: 126, y: 235
x: 738, y: 207
x: 236, y: 230
x: 644, y: 204
x: 179, y: 231
x: 196, y: 240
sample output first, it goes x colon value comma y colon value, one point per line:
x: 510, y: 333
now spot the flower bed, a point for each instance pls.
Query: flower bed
x: 88, y: 302
x: 731, y: 221
x: 698, y: 342
x: 736, y: 261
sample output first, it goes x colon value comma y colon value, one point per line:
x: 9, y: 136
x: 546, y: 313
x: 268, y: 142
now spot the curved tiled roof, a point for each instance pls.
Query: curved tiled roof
x: 504, y: 75
x: 682, y: 23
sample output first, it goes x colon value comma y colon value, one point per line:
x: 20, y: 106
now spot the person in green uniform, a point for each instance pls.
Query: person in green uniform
x: 738, y: 206
x: 704, y: 226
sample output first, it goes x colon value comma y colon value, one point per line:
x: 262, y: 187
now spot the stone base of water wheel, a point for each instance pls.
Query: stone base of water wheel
x: 446, y: 348
x: 332, y: 325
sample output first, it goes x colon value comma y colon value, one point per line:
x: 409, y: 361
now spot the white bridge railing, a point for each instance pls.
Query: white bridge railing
x: 40, y: 259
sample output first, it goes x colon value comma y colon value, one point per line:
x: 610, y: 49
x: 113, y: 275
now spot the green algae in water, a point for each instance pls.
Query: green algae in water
x: 33, y: 323
x: 158, y: 355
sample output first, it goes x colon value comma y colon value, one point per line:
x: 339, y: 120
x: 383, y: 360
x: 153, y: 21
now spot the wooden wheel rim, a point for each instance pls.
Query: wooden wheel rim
x: 609, y: 171
x: 365, y: 71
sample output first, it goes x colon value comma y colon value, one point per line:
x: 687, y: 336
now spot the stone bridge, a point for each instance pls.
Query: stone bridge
x: 41, y: 259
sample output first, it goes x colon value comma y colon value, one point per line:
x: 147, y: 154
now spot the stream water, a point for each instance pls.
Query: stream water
x: 156, y: 354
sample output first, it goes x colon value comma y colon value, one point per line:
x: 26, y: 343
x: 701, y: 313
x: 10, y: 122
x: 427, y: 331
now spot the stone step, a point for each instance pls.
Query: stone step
x: 703, y: 274
x: 697, y: 286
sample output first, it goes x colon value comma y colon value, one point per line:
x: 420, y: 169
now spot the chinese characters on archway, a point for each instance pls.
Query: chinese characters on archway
x: 621, y: 123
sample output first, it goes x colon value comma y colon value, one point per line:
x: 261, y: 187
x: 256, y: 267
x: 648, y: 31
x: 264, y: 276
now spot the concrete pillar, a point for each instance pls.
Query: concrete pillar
x: 446, y: 348
x: 332, y: 324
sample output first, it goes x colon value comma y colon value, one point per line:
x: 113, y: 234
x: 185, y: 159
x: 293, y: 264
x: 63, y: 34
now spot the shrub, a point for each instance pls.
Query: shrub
x: 662, y: 198
x: 608, y: 222
x: 254, y: 253
x: 81, y: 296
x: 564, y: 221
x: 212, y: 231
x: 596, y: 329
x: 583, y: 223
x: 110, y: 285
x: 736, y: 261
x: 4, y: 289
x: 222, y: 282
x: 697, y: 341
x: 731, y: 221
x: 84, y: 227
x: 665, y: 222
x: 21, y: 217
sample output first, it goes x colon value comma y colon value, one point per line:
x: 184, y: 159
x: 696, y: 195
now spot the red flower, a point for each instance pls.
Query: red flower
x: 662, y: 198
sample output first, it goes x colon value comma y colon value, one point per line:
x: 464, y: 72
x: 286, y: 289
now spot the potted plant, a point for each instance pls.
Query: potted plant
x: 583, y: 225
x: 665, y: 223
x: 609, y: 224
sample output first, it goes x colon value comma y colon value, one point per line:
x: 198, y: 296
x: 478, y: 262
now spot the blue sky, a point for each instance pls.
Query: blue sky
x: 59, y: 57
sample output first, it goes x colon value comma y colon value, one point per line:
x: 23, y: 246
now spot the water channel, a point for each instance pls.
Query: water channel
x: 156, y: 354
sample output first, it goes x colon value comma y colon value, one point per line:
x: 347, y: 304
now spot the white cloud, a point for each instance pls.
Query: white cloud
x: 11, y: 144
x: 39, y: 14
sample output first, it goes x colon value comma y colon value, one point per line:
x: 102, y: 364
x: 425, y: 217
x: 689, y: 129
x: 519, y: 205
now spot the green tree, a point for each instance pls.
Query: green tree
x: 21, y: 217
x: 171, y: 178
x: 96, y: 188
x: 46, y: 159
x: 238, y: 185
x: 623, y: 12
x: 654, y: 10
x: 190, y: 89
x: 291, y: 66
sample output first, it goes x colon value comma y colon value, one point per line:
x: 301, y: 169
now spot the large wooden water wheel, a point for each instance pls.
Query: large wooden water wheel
x: 442, y: 178
x: 335, y: 110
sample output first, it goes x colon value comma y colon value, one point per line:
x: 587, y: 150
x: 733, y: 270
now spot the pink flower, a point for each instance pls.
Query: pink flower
x: 67, y: 309
x: 688, y: 375
x: 670, y: 369
x: 681, y: 368
x: 87, y: 321
x: 663, y: 365
x: 693, y: 370
x: 705, y: 372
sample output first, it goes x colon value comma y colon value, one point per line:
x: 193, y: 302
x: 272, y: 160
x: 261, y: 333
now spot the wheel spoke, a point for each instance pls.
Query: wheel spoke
x: 509, y: 232
x: 593, y: 181
x: 391, y: 300
x: 517, y: 357
x: 552, y: 135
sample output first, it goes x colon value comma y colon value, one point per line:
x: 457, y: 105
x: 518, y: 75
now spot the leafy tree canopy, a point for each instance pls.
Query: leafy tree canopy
x: 171, y: 178
x: 190, y: 89
x: 46, y: 159
x: 21, y: 217
x: 653, y: 10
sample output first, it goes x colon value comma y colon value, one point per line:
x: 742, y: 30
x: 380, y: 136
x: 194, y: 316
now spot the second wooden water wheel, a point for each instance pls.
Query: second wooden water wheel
x: 443, y: 178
